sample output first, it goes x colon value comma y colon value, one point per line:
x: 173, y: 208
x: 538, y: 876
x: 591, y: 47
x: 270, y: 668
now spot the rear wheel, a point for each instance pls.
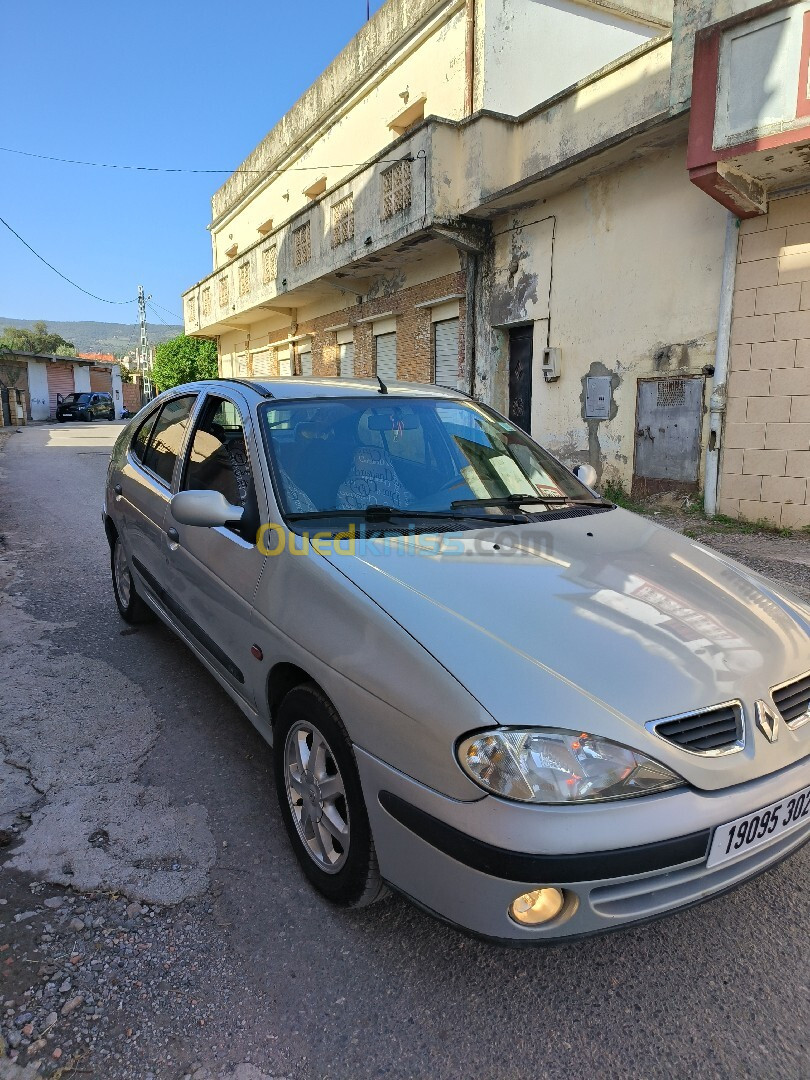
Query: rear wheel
x: 130, y: 605
x: 321, y: 801
x: 111, y: 414
x: 61, y: 419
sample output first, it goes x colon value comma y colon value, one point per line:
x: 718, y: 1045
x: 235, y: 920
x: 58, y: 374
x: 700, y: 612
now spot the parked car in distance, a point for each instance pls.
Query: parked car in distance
x: 82, y: 406
x: 537, y: 715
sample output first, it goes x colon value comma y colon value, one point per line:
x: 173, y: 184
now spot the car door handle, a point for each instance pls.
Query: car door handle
x: 173, y: 535
x: 118, y: 489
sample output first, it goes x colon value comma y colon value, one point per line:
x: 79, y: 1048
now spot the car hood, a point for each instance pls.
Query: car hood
x: 601, y: 622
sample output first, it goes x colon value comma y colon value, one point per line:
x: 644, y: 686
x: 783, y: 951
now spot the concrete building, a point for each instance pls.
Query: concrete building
x: 42, y: 378
x: 496, y: 194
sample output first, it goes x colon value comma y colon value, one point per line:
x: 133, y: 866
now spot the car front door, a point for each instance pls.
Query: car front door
x: 142, y: 489
x: 213, y: 573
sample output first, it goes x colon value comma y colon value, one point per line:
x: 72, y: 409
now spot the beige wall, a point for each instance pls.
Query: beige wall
x: 634, y: 273
x: 359, y: 128
x: 766, y: 458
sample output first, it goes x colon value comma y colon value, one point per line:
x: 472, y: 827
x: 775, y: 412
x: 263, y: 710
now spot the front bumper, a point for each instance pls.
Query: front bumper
x: 467, y: 861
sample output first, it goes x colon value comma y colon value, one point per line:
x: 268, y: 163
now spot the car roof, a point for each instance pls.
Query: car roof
x: 298, y: 386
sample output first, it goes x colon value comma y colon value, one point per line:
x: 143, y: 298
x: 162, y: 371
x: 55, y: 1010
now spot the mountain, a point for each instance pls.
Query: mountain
x: 103, y: 337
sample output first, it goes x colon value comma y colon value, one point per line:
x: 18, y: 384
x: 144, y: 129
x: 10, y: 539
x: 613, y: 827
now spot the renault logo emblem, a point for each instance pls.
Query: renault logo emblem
x: 767, y: 721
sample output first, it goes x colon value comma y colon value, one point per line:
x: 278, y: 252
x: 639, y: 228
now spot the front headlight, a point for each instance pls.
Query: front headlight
x: 551, y: 766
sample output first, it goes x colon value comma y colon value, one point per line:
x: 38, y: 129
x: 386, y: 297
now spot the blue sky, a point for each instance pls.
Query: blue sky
x: 192, y: 85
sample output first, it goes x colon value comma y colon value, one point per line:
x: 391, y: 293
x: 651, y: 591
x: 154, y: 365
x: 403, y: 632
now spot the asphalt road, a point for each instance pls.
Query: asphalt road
x: 120, y: 734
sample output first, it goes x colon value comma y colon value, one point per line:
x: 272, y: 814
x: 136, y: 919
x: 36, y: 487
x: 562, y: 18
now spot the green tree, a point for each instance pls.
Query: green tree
x: 36, y: 340
x: 184, y: 359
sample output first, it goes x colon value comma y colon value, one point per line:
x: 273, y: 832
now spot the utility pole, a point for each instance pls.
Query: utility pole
x: 143, y: 347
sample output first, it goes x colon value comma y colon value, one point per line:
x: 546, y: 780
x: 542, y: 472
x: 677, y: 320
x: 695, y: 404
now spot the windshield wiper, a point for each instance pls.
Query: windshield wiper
x: 528, y: 500
x: 386, y: 513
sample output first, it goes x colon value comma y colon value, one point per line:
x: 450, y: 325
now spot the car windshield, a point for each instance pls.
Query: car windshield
x: 418, y: 455
x: 77, y: 399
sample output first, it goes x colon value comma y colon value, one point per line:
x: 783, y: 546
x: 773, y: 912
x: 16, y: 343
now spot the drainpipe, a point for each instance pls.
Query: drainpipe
x: 471, y: 282
x: 717, y: 400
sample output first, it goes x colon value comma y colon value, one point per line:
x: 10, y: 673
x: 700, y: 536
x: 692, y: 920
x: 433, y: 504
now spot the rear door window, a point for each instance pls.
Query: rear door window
x: 167, y: 437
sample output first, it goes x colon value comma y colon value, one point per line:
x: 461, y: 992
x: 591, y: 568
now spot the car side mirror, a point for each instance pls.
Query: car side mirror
x: 206, y: 509
x: 586, y: 474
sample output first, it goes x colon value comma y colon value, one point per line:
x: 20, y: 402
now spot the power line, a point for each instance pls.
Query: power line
x: 157, y: 313
x: 59, y: 272
x: 173, y: 314
x: 160, y: 169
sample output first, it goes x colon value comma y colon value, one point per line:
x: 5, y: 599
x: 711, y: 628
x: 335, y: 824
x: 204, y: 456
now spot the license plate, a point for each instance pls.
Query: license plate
x: 752, y: 831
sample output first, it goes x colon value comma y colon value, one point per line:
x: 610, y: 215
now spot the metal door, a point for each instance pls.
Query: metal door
x: 346, y: 351
x: 445, y: 352
x: 669, y: 414
x: 60, y: 381
x: 260, y: 363
x: 305, y: 360
x: 101, y: 380
x: 284, y: 364
x: 385, y: 356
x: 4, y: 397
x: 520, y: 376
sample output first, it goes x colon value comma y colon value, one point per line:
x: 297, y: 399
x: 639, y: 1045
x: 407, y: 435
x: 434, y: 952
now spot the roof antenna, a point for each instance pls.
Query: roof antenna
x: 383, y: 387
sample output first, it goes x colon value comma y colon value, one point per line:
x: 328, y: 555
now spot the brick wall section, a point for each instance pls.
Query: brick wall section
x: 766, y: 458
x: 414, y: 330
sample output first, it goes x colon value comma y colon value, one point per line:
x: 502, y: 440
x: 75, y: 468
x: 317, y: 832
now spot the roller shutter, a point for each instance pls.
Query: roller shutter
x: 101, y: 380
x: 260, y: 363
x: 60, y: 381
x: 305, y: 359
x: 284, y: 365
x: 385, y: 356
x: 445, y: 353
x: 346, y: 360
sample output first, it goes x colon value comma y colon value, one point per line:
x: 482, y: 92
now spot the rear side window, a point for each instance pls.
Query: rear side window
x: 141, y: 440
x: 167, y: 436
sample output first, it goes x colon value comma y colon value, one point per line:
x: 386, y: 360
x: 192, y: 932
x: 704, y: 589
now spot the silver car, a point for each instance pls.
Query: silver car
x: 533, y: 713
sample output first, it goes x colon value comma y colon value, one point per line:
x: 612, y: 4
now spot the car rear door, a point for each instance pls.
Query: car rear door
x: 213, y: 573
x: 143, y: 488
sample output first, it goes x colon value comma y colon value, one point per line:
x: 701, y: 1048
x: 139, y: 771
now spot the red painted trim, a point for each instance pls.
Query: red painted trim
x: 708, y: 179
x: 705, y: 68
x: 802, y: 98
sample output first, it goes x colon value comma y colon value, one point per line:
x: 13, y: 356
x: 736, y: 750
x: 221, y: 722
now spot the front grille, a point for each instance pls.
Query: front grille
x: 713, y: 731
x: 793, y: 700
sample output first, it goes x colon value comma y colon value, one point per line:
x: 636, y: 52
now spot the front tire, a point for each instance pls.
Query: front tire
x: 131, y: 607
x: 61, y: 419
x: 321, y: 801
x: 111, y: 414
x: 88, y: 416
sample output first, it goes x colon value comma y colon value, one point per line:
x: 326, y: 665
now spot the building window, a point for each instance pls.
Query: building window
x: 190, y: 312
x: 269, y: 264
x: 244, y: 278
x: 342, y: 221
x: 223, y: 291
x: 206, y: 302
x: 396, y: 188
x: 302, y: 245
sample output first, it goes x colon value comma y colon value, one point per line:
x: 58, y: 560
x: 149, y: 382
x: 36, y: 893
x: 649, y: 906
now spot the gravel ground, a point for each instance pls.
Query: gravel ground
x: 154, y: 926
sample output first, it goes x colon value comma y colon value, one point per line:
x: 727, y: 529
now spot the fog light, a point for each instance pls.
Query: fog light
x: 537, y: 906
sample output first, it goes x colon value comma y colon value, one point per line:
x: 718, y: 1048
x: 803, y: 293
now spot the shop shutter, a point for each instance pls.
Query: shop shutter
x: 60, y: 381
x: 305, y: 358
x: 346, y: 352
x: 284, y: 365
x: 260, y: 362
x: 445, y: 353
x: 385, y: 356
x: 101, y: 380
x: 241, y: 365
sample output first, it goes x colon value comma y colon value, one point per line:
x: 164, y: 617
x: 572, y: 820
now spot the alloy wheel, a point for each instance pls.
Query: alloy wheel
x: 316, y: 796
x: 123, y: 579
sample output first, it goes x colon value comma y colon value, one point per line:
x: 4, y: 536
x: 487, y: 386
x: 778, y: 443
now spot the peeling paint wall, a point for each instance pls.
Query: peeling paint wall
x: 535, y: 48
x: 634, y: 276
